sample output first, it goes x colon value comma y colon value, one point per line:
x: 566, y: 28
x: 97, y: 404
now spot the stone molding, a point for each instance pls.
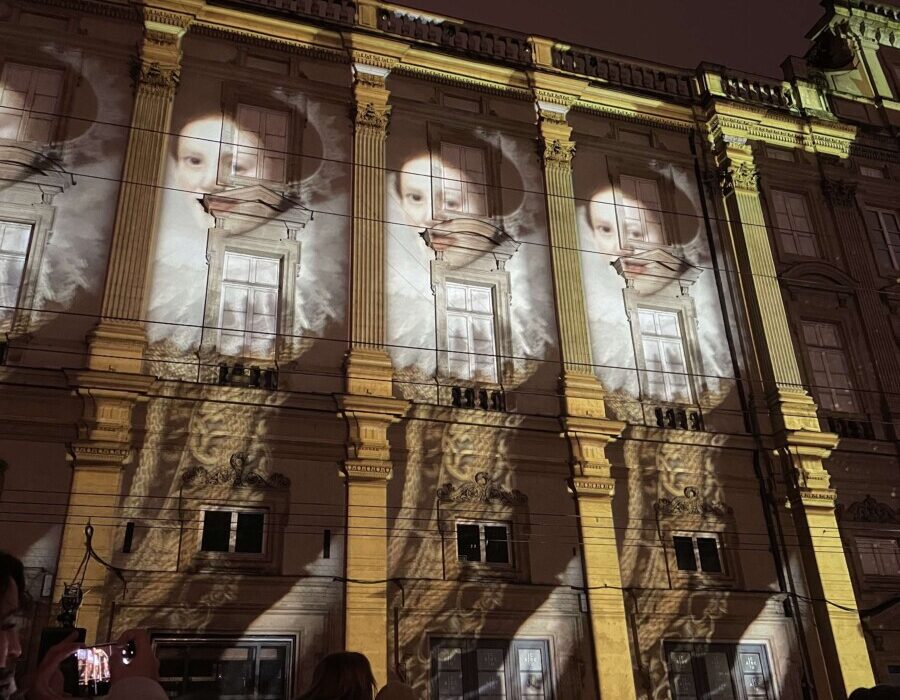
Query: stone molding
x: 691, y: 503
x: 841, y: 193
x: 235, y: 476
x: 482, y: 489
x: 559, y: 152
x: 739, y: 176
x: 868, y: 510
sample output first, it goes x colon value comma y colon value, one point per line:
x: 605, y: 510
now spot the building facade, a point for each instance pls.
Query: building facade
x: 319, y: 334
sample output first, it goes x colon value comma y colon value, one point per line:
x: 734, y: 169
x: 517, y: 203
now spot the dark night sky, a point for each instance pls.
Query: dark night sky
x: 748, y: 35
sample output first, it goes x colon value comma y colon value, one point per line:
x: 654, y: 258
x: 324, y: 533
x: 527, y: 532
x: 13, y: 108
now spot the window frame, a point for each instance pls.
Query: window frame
x: 635, y: 168
x: 877, y: 537
x: 892, y: 250
x: 732, y: 652
x: 848, y: 358
x: 694, y: 536
x: 620, y: 207
x: 246, y: 332
x: 815, y: 235
x: 57, y: 126
x: 640, y: 356
x: 482, y: 543
x: 233, y: 528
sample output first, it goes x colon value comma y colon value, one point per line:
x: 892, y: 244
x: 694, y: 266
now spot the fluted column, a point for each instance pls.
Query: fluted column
x: 799, y: 439
x: 876, y: 323
x: 585, y: 425
x: 118, y: 341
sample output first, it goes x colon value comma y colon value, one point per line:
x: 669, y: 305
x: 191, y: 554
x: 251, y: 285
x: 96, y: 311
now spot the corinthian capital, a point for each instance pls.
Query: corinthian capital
x: 738, y: 176
x: 841, y: 193
x: 559, y: 152
x: 371, y: 116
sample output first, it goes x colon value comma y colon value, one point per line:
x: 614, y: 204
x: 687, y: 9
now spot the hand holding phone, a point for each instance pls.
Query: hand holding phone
x: 48, y: 678
x: 136, y: 657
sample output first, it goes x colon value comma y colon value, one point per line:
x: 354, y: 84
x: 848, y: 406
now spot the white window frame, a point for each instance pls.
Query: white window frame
x: 482, y: 543
x: 694, y: 536
x: 265, y: 149
x: 27, y: 111
x: 469, y: 316
x: 232, y: 536
x: 251, y: 288
x: 893, y: 248
x: 665, y: 371
x: 8, y: 313
x: 788, y: 226
x: 646, y: 216
x: 468, y: 190
x: 829, y: 389
x: 870, y: 545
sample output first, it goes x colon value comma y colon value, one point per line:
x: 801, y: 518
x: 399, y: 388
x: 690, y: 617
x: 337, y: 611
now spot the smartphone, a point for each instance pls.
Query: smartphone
x: 93, y: 667
x: 51, y: 636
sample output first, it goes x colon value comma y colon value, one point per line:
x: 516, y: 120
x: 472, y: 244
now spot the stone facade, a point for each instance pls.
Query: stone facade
x: 518, y: 366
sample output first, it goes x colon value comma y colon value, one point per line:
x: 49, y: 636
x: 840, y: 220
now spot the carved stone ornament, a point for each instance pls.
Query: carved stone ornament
x: 155, y: 79
x: 868, y: 510
x: 483, y: 489
x: 841, y: 193
x: 739, y: 177
x: 236, y: 476
x: 371, y: 117
x: 559, y: 152
x: 690, y: 504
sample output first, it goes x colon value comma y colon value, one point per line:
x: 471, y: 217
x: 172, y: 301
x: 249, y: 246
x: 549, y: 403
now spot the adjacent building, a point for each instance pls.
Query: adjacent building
x: 528, y: 370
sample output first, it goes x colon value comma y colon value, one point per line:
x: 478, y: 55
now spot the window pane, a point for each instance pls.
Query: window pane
x: 468, y: 547
x: 684, y: 553
x: 708, y: 549
x: 481, y: 300
x: 249, y: 536
x: 14, y: 237
x: 718, y: 675
x: 496, y: 545
x: 216, y: 530
x: 456, y: 297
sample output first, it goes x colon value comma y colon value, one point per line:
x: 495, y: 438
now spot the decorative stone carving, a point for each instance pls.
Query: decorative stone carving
x: 236, y: 475
x: 368, y: 116
x: 154, y: 78
x: 690, y: 504
x: 742, y: 176
x: 841, y: 193
x: 483, y: 489
x: 868, y: 510
x: 558, y: 152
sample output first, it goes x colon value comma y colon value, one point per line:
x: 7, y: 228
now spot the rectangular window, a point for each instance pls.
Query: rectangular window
x: 879, y: 556
x: 720, y: 671
x: 234, y: 531
x: 640, y: 213
x: 256, y: 668
x: 482, y: 669
x: 470, y: 333
x: 830, y: 373
x: 261, y: 144
x: 14, y: 240
x: 697, y: 552
x: 666, y: 370
x: 463, y: 180
x: 794, y: 224
x: 29, y: 102
x: 886, y: 225
x: 483, y: 542
x: 249, y: 307
x: 868, y: 171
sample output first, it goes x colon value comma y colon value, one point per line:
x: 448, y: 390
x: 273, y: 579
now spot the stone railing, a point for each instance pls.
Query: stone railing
x: 625, y: 73
x: 745, y: 87
x: 338, y: 11
x: 474, y: 40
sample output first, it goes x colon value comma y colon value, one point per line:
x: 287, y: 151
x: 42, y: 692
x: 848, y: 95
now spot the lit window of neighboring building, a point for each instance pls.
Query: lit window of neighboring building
x: 828, y: 363
x: 640, y: 213
x: 463, y: 180
x: 233, y: 531
x: 879, y: 556
x: 665, y: 367
x: 485, y: 542
x: 14, y: 238
x: 261, y: 144
x: 29, y: 102
x: 698, y: 553
x: 794, y: 224
x: 470, y: 332
x: 886, y: 224
x: 249, y: 308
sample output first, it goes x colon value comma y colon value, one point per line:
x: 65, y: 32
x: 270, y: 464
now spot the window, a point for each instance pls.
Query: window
x: 470, y: 333
x: 29, y: 101
x: 260, y: 144
x: 879, y: 556
x: 234, y: 531
x: 718, y: 671
x: 666, y: 371
x: 893, y: 674
x: 14, y: 239
x: 886, y: 224
x: 868, y: 171
x: 794, y: 225
x: 640, y: 214
x: 483, y: 542
x: 490, y: 669
x: 692, y: 551
x: 218, y: 668
x: 249, y: 307
x: 463, y: 180
x: 828, y: 363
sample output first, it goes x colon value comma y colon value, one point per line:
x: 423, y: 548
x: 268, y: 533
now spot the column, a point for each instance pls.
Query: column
x: 118, y: 341
x: 798, y: 438
x: 841, y: 195
x: 585, y: 425
x: 367, y: 405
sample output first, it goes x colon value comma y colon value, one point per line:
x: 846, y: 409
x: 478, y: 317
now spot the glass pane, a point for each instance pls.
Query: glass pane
x: 271, y: 671
x: 456, y: 297
x: 680, y: 661
x: 718, y: 674
x: 684, y: 553
x: 468, y: 547
x: 216, y: 530
x: 708, y: 549
x: 237, y: 268
x: 496, y: 547
x: 249, y: 537
x: 481, y: 300
x: 449, y: 659
x: 750, y: 663
x: 266, y: 272
x: 490, y: 659
x: 14, y: 238
x: 530, y: 660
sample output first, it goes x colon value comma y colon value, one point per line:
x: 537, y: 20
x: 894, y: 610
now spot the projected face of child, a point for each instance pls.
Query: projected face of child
x: 425, y: 198
x: 201, y: 157
x: 602, y: 220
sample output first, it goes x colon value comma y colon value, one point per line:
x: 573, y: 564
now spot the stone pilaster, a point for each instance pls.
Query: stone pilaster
x: 585, y: 425
x: 876, y: 323
x: 798, y: 438
x: 117, y: 343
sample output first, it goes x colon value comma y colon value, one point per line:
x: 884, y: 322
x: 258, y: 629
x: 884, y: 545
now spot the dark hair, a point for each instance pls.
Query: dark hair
x: 345, y: 675
x: 11, y: 569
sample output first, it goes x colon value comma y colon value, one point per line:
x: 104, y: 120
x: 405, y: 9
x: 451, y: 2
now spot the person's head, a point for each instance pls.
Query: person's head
x: 345, y: 675
x: 200, y: 156
x: 428, y: 198
x: 12, y: 601
x: 396, y: 691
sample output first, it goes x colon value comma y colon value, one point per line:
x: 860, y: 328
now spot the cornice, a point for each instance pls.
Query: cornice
x: 632, y: 117
x: 105, y: 9
x: 467, y: 81
x: 252, y: 38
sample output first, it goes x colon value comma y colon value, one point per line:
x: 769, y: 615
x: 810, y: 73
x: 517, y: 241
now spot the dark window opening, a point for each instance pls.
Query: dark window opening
x: 468, y: 544
x: 684, y: 553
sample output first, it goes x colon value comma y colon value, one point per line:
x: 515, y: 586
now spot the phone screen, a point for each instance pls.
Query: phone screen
x: 93, y: 669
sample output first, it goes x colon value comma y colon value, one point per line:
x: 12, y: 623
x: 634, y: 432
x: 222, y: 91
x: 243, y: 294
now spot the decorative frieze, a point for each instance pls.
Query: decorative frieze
x: 691, y: 503
x: 868, y: 510
x: 482, y: 489
x: 236, y: 475
x: 740, y: 176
